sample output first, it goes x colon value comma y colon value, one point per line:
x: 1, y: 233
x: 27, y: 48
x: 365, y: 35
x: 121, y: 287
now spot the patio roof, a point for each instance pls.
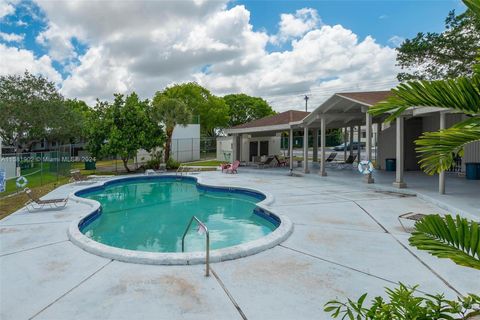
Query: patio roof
x: 278, y: 122
x: 345, y: 109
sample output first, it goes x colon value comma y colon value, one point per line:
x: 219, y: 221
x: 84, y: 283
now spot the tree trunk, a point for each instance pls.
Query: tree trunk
x: 125, y: 164
x: 168, y: 143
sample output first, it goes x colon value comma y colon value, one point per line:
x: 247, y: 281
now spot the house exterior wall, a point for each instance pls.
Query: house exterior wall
x: 387, y: 144
x: 471, y: 153
x: 414, y: 127
x: 224, y: 146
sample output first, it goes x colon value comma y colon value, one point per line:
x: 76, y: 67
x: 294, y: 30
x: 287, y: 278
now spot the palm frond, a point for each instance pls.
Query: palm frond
x: 456, y: 239
x: 437, y: 150
x: 474, y: 5
x: 461, y: 94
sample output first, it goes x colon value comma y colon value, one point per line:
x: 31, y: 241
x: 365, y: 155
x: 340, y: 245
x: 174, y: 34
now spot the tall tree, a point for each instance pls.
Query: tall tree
x: 244, y: 108
x: 122, y: 128
x: 76, y: 114
x: 170, y: 112
x: 212, y: 110
x: 31, y: 110
x: 450, y: 54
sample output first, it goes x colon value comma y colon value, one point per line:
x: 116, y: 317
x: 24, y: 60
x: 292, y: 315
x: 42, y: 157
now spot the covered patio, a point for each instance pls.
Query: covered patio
x: 349, y: 112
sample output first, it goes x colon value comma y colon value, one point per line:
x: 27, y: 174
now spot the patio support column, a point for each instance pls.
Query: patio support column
x: 315, y: 145
x: 399, y: 183
x: 351, y: 141
x: 441, y: 175
x: 345, y: 138
x: 234, y: 147
x: 322, y: 146
x: 359, y: 146
x: 305, y: 150
x: 290, y: 149
x: 368, y: 134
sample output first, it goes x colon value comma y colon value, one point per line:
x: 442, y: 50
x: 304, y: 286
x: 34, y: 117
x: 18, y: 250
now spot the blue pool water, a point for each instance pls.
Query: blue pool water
x: 152, y: 214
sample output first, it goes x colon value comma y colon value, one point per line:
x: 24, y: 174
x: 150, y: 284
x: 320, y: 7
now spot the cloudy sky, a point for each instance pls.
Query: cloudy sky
x: 279, y: 50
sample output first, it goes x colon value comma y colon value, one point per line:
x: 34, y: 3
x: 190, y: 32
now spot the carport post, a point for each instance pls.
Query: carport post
x: 234, y: 147
x: 290, y: 148
x: 441, y: 175
x: 399, y: 183
x: 315, y: 145
x: 305, y: 150
x: 322, y: 146
x: 345, y: 138
x: 368, y: 133
x: 351, y: 140
x: 359, y: 146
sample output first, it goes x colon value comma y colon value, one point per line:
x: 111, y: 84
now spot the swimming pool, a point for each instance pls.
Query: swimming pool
x: 151, y: 215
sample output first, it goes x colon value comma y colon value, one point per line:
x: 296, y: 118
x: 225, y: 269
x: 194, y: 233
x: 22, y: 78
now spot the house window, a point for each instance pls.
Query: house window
x: 364, y: 134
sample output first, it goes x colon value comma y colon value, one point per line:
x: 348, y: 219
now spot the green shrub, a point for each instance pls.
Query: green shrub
x: 172, y: 164
x: 153, y: 164
x: 404, y: 305
x: 155, y: 161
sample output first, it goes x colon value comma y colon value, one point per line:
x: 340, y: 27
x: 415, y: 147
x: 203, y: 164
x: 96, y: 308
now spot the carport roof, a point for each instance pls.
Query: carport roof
x: 344, y: 109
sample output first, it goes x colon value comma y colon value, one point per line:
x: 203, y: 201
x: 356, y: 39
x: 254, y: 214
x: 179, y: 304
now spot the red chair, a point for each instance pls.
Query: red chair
x: 233, y: 168
x: 225, y: 166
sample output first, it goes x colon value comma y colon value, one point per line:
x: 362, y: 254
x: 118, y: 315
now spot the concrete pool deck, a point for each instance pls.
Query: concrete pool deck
x: 347, y: 240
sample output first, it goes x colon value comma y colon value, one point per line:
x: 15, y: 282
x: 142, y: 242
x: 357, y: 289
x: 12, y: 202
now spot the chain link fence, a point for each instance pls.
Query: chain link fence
x: 54, y: 166
x: 37, y: 168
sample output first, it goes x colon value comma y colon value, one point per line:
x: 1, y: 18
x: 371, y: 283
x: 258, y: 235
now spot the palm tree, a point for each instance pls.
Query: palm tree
x: 170, y: 112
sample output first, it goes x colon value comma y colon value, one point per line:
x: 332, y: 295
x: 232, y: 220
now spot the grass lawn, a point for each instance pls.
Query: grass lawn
x: 205, y: 163
x: 14, y: 202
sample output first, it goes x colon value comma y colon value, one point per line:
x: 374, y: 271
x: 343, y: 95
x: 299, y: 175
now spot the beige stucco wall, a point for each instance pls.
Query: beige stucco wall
x: 387, y: 143
x: 413, y: 129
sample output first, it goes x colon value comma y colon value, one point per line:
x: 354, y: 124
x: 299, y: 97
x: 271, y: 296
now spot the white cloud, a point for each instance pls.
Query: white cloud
x: 144, y: 47
x: 6, y: 8
x: 296, y: 25
x: 11, y: 37
x: 396, y: 41
x: 16, y: 61
x: 21, y: 23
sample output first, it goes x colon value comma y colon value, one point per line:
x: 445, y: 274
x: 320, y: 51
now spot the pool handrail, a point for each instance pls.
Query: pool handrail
x: 207, y: 247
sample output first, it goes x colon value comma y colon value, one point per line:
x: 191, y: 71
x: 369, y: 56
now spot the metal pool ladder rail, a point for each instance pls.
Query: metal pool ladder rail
x: 207, y: 250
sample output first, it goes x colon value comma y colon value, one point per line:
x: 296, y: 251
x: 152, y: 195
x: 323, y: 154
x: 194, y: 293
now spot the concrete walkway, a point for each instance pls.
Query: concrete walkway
x: 347, y: 241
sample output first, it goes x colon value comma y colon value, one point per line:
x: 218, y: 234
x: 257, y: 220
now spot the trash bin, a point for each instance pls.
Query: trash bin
x: 390, y: 164
x: 90, y: 165
x: 472, y: 170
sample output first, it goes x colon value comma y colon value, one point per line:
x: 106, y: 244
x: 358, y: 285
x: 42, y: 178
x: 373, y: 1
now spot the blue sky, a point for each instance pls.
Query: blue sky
x: 274, y: 49
x: 381, y: 19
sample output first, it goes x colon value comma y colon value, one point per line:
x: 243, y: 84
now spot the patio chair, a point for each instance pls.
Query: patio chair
x: 77, y: 177
x: 233, y: 168
x: 225, y: 166
x: 36, y: 203
x: 281, y: 163
x: 347, y: 163
x: 331, y: 157
x: 266, y: 163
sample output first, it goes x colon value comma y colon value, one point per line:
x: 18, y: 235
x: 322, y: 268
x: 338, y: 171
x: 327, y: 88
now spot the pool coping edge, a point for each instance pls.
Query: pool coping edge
x: 280, y: 234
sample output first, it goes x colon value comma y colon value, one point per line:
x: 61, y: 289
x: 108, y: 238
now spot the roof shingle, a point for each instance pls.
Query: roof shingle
x: 276, y: 119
